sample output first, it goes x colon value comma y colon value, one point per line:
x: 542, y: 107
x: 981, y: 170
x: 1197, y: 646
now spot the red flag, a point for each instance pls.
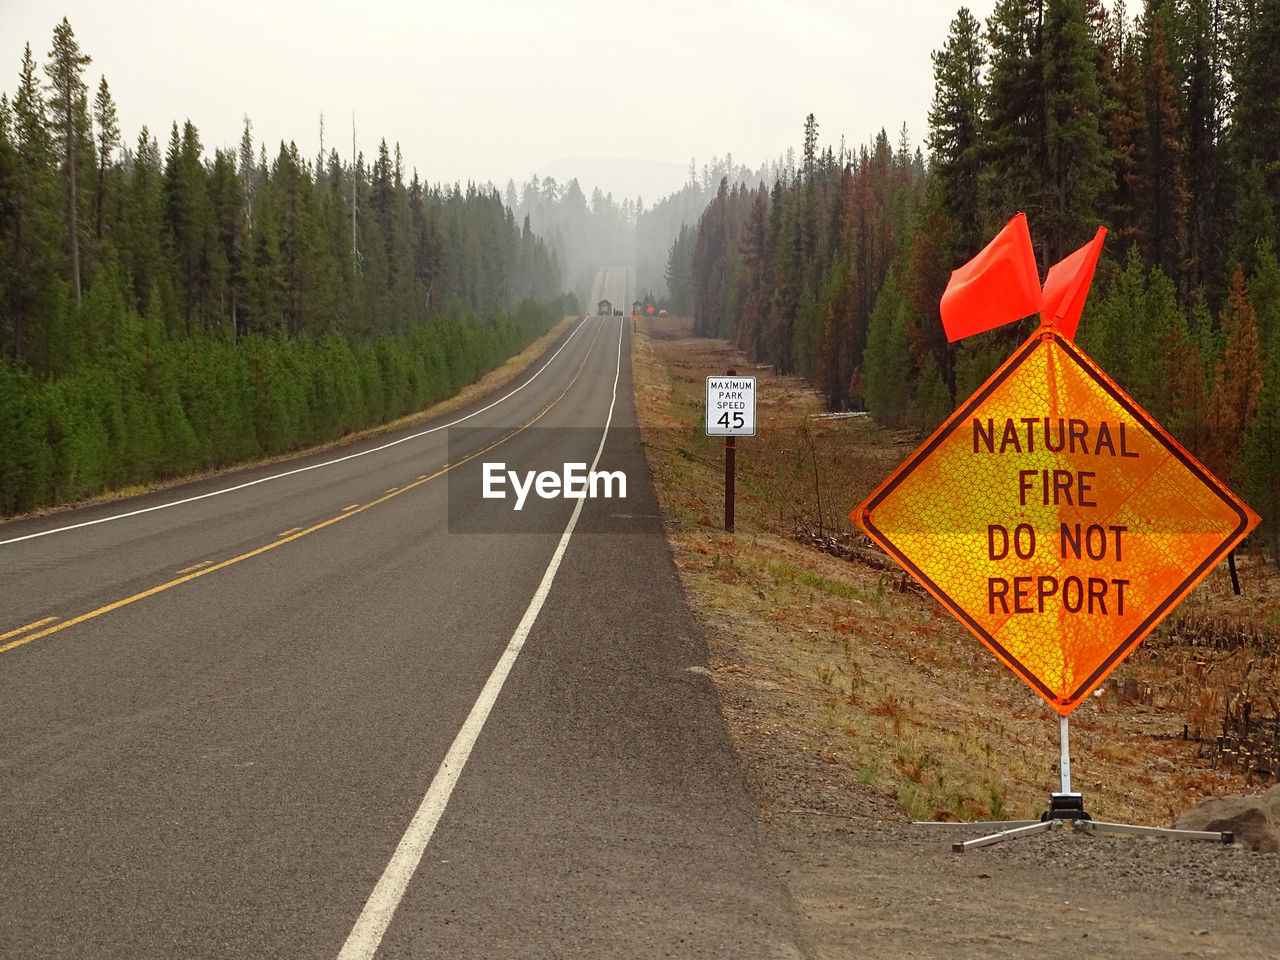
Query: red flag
x: 999, y: 285
x: 1067, y: 286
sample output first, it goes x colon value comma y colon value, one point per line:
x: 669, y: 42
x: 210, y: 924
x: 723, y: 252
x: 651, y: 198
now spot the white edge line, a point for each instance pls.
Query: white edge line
x: 362, y: 943
x: 290, y: 473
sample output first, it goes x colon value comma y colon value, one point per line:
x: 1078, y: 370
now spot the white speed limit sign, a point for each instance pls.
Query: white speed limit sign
x: 731, y: 406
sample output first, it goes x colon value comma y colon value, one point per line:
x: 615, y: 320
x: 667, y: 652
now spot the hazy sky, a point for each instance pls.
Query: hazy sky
x: 496, y: 89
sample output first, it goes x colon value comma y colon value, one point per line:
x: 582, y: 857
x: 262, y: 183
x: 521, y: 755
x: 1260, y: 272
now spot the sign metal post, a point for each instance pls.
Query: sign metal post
x: 730, y: 448
x: 731, y: 413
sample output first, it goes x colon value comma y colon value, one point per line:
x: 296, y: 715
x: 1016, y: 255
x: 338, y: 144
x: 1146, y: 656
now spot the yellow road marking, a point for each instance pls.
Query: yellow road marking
x: 283, y: 533
x: 29, y: 626
x: 354, y: 505
x: 195, y: 566
x: 348, y: 512
x: 393, y: 490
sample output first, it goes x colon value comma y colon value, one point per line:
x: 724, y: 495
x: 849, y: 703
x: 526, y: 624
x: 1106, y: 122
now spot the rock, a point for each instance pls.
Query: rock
x: 1271, y: 800
x: 1255, y: 821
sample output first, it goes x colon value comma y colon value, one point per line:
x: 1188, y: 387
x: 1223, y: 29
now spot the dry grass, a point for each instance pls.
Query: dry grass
x: 860, y: 668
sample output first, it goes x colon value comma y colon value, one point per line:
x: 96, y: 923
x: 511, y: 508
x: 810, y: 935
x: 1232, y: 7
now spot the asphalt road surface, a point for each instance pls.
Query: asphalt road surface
x: 313, y: 710
x: 617, y: 285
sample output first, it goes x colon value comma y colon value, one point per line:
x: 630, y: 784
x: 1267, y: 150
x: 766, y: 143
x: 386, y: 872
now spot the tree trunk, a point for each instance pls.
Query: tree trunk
x: 72, y: 224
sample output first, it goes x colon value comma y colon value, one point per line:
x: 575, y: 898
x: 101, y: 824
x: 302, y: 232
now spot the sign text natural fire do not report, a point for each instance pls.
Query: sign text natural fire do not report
x: 1056, y: 488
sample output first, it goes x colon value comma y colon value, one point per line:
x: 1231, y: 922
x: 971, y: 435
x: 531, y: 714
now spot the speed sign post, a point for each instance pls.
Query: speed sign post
x: 731, y: 413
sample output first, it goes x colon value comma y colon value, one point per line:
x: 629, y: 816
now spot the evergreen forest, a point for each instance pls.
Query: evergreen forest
x: 164, y: 312
x: 585, y: 234
x: 1162, y: 126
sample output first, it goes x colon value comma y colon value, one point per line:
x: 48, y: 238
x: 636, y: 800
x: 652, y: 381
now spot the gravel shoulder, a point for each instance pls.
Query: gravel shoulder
x: 871, y: 884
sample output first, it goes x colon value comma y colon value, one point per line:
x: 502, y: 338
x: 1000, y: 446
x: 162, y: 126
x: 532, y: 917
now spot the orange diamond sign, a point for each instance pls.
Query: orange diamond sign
x: 1055, y: 519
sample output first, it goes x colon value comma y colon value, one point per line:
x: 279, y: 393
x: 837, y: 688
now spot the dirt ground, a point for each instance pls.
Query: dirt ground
x: 863, y: 713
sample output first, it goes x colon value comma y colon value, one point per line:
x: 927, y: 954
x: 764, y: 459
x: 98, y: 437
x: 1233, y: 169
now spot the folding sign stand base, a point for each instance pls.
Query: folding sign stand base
x: 1067, y: 808
x: 1084, y: 824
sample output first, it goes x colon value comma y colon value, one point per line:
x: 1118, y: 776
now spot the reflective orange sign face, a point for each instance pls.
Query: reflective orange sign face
x: 1055, y: 518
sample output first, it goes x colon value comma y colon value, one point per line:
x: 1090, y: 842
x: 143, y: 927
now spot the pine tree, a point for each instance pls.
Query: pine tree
x: 1262, y: 454
x: 1077, y: 172
x: 261, y: 263
x: 1044, y: 144
x: 955, y: 131
x: 710, y: 265
x: 1110, y: 332
x: 226, y: 198
x: 33, y: 248
x: 1233, y: 400
x: 679, y: 272
x: 925, y: 279
x: 143, y: 237
x: 189, y: 217
x: 9, y: 204
x: 1253, y: 222
x: 810, y: 144
x: 1123, y: 125
x: 1015, y: 150
x: 1255, y: 119
x: 834, y: 363
x: 1164, y: 213
x: 977, y: 357
x: 886, y: 367
x: 868, y: 240
x: 1198, y: 37
x: 931, y: 403
x: 1264, y: 289
x: 1189, y: 386
x: 786, y: 281
x: 754, y: 252
x: 108, y: 139
x: 69, y: 111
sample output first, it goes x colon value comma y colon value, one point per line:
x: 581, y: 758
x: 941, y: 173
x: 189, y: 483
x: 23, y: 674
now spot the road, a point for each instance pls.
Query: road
x: 314, y: 709
x: 617, y: 285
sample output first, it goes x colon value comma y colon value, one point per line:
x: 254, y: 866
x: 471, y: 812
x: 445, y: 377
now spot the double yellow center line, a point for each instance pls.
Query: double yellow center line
x: 52, y: 625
